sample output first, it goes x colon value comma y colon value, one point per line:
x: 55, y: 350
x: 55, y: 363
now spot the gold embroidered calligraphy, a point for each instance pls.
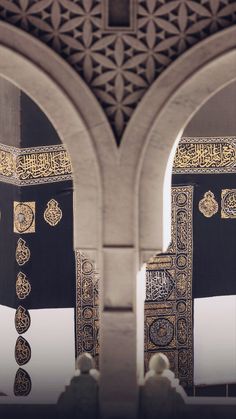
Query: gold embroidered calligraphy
x: 30, y: 166
x: 205, y: 155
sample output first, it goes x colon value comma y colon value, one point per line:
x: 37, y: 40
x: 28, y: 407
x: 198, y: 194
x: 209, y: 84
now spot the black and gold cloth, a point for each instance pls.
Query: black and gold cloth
x: 200, y: 262
x: 37, y: 260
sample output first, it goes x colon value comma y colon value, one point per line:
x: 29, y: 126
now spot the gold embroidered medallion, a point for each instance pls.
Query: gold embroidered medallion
x: 23, y: 286
x: 22, y: 320
x: 22, y: 351
x: 24, y: 217
x: 53, y: 213
x: 228, y: 203
x: 22, y: 384
x: 22, y: 252
x: 208, y: 205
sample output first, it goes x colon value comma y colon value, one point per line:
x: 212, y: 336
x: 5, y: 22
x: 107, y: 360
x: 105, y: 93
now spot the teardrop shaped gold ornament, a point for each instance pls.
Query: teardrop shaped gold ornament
x: 53, y: 213
x: 22, y: 383
x: 23, y: 286
x: 22, y: 252
x: 208, y: 206
x: 22, y: 351
x: 22, y: 320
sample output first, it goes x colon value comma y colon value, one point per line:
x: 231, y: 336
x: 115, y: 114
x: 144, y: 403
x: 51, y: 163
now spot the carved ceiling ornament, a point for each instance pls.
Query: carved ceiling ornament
x: 119, y: 67
x: 53, y: 213
x: 208, y: 206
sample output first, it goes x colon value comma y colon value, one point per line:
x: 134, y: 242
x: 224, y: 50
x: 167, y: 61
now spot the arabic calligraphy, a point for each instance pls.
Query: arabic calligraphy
x: 205, y: 155
x: 159, y: 285
x: 29, y: 166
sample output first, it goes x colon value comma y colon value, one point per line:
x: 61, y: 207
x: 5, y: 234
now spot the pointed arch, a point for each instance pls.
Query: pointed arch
x: 75, y: 114
x: 160, y: 119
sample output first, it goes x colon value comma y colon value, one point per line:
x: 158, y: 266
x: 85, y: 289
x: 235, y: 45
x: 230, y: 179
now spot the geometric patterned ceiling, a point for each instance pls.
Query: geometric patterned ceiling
x: 119, y: 64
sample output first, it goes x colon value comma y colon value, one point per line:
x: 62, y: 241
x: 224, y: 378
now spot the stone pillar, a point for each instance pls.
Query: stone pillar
x: 9, y: 114
x: 118, y: 385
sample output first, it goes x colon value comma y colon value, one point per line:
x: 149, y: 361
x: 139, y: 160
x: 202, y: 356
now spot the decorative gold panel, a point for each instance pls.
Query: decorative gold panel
x: 168, y: 306
x: 33, y: 166
x: 228, y: 203
x: 24, y: 217
x: 87, y: 306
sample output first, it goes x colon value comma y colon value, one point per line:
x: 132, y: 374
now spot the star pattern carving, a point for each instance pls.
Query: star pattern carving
x: 119, y: 66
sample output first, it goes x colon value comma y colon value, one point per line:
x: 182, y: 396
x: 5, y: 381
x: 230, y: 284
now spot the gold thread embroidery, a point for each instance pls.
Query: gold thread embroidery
x: 23, y: 287
x: 168, y: 305
x: 205, y: 155
x: 22, y: 383
x: 30, y: 166
x: 208, y: 206
x: 87, y: 307
x: 22, y: 252
x: 228, y: 203
x: 22, y: 351
x: 22, y: 320
x: 24, y: 217
x: 53, y: 213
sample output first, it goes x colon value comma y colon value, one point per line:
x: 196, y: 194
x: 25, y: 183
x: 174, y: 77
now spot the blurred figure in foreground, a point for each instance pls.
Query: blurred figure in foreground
x: 162, y: 395
x: 80, y: 398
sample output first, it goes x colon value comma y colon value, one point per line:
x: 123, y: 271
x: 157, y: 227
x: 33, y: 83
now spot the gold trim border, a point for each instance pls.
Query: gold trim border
x: 177, y: 306
x: 34, y: 165
x: 205, y: 155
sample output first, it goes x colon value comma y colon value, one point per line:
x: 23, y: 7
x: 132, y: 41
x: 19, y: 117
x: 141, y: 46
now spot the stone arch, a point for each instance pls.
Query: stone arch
x: 160, y: 119
x: 74, y: 113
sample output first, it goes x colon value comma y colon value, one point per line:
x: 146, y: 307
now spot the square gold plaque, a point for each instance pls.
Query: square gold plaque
x: 228, y: 203
x: 24, y: 217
